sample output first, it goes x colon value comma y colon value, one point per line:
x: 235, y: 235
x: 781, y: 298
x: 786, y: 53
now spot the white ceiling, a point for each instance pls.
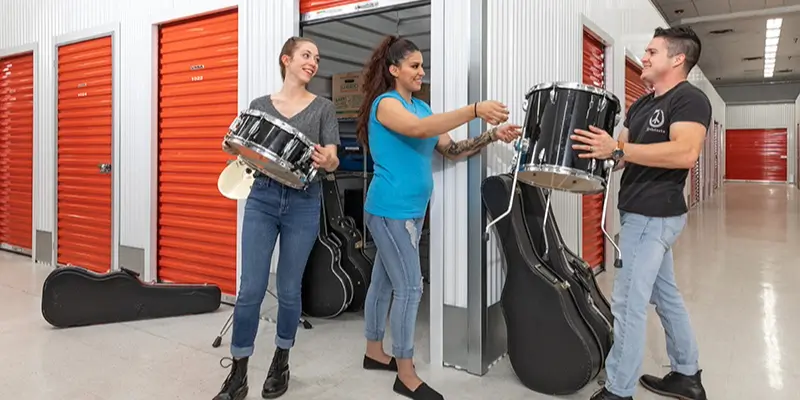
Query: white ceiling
x: 722, y: 59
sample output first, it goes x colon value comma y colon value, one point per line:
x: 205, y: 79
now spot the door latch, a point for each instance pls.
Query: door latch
x: 104, y: 168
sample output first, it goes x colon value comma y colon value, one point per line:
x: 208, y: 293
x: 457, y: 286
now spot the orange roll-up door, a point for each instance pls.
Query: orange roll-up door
x: 198, y: 100
x: 593, y: 239
x: 756, y: 154
x: 634, y: 86
x: 16, y: 151
x: 84, y: 154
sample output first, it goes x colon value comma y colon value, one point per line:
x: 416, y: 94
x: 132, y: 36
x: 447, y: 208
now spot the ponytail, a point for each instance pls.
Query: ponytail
x: 377, y: 79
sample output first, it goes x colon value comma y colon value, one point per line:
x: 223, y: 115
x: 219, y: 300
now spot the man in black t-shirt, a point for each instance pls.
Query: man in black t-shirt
x: 661, y: 141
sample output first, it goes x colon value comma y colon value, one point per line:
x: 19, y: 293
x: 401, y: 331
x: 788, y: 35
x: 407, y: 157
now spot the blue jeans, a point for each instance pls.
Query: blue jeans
x: 396, y: 275
x: 273, y: 208
x: 647, y: 275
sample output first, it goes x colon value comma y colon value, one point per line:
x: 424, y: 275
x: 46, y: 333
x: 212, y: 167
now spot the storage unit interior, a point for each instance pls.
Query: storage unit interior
x: 346, y: 39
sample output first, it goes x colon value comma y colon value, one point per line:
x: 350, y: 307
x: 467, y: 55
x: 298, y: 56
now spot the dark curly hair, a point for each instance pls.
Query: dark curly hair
x: 377, y: 80
x: 681, y: 40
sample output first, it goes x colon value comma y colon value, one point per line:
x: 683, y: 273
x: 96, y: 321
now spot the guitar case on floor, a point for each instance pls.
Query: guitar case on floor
x: 74, y: 296
x: 553, y: 341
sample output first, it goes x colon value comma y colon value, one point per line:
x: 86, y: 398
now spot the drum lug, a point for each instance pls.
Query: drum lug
x: 616, y: 119
x: 525, y: 105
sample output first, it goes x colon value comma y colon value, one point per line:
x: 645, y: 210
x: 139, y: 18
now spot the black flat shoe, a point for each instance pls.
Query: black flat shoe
x: 604, y: 394
x: 372, y: 364
x: 423, y: 392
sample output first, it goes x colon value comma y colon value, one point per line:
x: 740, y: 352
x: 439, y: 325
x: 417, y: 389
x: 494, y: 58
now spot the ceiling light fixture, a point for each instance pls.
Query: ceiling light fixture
x: 771, y: 41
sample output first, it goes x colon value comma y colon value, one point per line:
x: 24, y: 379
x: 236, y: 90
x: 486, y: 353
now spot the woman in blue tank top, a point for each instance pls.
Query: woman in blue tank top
x: 401, y: 133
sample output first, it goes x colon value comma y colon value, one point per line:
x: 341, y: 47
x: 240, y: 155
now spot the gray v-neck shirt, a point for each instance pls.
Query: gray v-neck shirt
x: 317, y: 121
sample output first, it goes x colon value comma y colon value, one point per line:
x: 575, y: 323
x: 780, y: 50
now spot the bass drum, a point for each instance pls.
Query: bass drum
x: 554, y: 111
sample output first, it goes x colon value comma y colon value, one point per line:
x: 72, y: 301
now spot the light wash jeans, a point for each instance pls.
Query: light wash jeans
x: 273, y: 208
x: 647, y: 275
x: 396, y: 280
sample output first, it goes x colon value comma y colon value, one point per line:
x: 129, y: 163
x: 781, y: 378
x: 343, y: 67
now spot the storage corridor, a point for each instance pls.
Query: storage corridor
x: 736, y: 263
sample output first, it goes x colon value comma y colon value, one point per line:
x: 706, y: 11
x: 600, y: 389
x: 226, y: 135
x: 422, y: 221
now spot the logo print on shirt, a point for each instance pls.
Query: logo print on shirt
x: 657, y: 119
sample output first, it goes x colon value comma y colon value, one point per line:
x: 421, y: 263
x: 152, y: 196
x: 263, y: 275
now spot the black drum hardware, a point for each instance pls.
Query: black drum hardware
x: 560, y: 326
x: 74, y: 297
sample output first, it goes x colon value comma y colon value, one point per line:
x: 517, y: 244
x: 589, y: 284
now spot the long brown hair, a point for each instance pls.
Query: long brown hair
x: 288, y: 50
x: 377, y: 79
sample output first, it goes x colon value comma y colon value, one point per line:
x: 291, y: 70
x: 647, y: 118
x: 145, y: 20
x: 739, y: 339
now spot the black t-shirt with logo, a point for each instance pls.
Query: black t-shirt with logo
x: 658, y: 192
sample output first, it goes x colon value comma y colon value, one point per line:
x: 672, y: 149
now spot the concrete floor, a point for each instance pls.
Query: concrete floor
x: 737, y: 265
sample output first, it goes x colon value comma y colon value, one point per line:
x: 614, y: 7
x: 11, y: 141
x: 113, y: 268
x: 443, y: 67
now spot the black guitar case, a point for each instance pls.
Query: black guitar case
x: 354, y: 262
x: 74, y: 296
x: 566, y: 263
x: 327, y: 290
x: 552, y: 346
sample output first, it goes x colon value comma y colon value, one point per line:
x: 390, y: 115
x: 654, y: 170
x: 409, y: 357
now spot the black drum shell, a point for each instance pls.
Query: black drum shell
x: 553, y: 115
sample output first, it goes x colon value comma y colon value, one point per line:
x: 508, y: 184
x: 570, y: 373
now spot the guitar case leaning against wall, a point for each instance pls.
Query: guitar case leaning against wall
x: 74, y: 296
x: 551, y: 346
x: 548, y: 243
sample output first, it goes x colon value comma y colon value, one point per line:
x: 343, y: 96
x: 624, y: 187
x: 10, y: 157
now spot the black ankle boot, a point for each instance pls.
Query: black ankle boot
x: 674, y: 384
x: 278, y: 377
x: 235, y: 385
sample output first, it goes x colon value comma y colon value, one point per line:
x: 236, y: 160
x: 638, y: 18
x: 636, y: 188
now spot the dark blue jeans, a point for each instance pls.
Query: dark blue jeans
x: 274, y: 209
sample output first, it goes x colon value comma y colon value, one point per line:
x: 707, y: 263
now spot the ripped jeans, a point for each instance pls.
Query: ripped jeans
x: 396, y: 275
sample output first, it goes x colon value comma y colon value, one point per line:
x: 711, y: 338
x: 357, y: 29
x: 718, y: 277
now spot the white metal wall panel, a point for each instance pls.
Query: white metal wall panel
x: 797, y: 141
x: 767, y: 116
x: 521, y: 54
x: 450, y: 178
x: 39, y: 22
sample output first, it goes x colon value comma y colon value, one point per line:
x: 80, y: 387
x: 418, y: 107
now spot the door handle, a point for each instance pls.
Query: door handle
x: 104, y: 168
x: 784, y: 157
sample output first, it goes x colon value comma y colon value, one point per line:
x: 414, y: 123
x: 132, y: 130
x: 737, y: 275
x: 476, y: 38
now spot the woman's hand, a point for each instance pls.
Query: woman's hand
x: 323, y: 158
x: 493, y: 112
x: 508, y: 133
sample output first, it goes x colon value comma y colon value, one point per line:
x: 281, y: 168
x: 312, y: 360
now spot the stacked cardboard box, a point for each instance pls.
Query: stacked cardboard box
x: 347, y: 95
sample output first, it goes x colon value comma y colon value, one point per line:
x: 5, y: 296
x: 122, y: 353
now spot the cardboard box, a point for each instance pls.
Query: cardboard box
x: 425, y: 93
x: 347, y: 96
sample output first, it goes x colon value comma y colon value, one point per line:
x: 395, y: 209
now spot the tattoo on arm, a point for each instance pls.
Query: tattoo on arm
x: 470, y: 145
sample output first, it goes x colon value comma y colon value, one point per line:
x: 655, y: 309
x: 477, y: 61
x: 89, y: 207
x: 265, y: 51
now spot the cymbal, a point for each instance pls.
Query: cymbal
x: 235, y: 180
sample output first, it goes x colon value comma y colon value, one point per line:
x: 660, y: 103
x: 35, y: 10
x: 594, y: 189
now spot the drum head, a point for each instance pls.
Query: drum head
x: 235, y: 180
x: 561, y: 179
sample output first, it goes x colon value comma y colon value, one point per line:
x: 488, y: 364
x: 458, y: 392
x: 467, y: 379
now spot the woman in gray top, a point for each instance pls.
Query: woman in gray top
x: 273, y: 207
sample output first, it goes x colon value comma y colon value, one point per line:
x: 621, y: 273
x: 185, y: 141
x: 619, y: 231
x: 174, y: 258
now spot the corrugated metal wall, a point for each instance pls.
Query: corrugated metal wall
x: 797, y: 141
x: 522, y: 54
x: 768, y: 116
x: 40, y: 22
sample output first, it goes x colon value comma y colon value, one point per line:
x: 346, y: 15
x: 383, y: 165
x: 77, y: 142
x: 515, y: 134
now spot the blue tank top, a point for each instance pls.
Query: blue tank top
x: 403, y: 181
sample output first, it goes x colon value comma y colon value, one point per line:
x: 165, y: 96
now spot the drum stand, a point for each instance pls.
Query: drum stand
x: 609, y: 164
x: 229, y: 323
x: 522, y: 146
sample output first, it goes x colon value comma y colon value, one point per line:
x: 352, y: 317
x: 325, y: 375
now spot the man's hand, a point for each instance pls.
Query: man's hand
x: 596, y: 141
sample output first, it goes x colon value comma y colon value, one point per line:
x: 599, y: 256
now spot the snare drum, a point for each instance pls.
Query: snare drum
x: 554, y: 111
x: 272, y: 147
